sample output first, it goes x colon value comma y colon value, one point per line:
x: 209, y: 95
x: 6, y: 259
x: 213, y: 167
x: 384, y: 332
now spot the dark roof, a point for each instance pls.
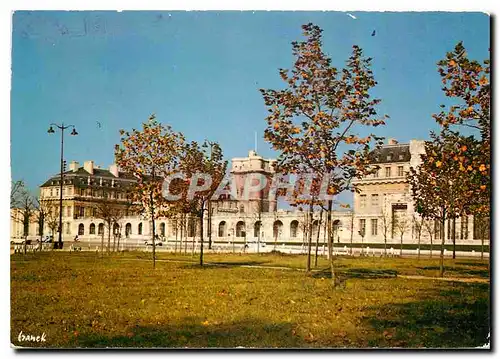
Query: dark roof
x: 80, y: 178
x: 391, y: 154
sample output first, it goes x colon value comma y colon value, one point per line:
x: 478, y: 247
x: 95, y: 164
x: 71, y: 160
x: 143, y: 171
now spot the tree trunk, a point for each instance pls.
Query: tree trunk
x: 317, y: 239
x: 309, y: 239
x: 431, y: 246
x: 352, y: 229
x: 453, y: 236
x: 441, y: 262
x: 418, y: 252
x: 109, y: 237
x: 184, y: 225
x: 482, y: 247
x: 201, y: 235
x: 385, y: 244
x: 153, y: 226
x: 401, y: 245
x: 175, y: 243
x: 330, y: 243
x: 209, y: 224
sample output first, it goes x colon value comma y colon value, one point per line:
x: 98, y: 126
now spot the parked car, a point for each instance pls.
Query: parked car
x: 48, y: 239
x: 158, y: 242
x: 21, y: 240
x: 253, y: 244
x: 17, y: 240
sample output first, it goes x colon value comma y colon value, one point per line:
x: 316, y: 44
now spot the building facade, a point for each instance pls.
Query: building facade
x: 382, y: 207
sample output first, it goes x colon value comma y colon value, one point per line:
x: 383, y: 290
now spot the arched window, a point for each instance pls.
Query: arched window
x: 139, y: 229
x: 81, y: 229
x: 100, y: 229
x: 294, y: 226
x: 222, y: 229
x: 92, y: 228
x: 240, y: 229
x: 162, y: 229
x: 128, y: 230
x: 256, y: 228
x: 277, y: 228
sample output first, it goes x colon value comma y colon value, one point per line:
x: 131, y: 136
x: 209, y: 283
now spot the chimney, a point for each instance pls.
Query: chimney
x: 392, y: 141
x: 73, y: 166
x: 89, y: 167
x: 114, y: 169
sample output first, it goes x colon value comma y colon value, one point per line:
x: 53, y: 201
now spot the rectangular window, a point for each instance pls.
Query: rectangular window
x: 374, y: 227
x: 388, y: 172
x: 374, y: 200
x: 375, y: 175
x: 400, y: 171
x: 362, y: 227
x: 362, y: 200
x: 57, y: 192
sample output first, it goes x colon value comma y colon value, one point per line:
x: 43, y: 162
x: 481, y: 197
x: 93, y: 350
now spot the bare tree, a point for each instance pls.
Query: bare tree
x: 418, y: 226
x: 401, y: 225
x: 352, y: 228
x: 25, y: 211
x: 385, y: 226
x: 41, y: 212
x: 482, y: 227
x: 429, y: 227
x: 16, y: 192
x: 110, y: 213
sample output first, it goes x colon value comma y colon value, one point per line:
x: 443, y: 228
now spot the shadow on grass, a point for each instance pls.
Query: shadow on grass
x: 248, y: 333
x: 458, y: 318
x: 362, y: 273
x: 483, y: 273
x: 209, y: 265
x: 474, y: 264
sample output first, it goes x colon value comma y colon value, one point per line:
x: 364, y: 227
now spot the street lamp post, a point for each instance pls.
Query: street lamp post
x: 62, y: 127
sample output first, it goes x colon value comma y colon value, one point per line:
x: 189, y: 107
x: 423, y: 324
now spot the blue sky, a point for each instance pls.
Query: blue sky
x: 200, y: 72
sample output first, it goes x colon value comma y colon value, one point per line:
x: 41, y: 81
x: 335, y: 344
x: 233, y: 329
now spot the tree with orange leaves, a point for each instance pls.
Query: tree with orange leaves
x: 315, y: 122
x: 441, y: 184
x: 205, y: 165
x: 150, y: 155
x: 467, y: 82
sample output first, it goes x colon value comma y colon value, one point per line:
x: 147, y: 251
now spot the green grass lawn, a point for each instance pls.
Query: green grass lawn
x: 82, y: 300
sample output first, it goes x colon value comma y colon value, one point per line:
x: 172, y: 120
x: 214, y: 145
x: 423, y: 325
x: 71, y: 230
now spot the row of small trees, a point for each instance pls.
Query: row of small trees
x: 454, y: 177
x: 156, y: 152
x: 316, y: 119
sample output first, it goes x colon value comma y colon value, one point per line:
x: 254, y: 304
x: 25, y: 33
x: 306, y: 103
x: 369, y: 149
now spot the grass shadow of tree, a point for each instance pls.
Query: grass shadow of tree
x: 459, y: 320
x: 224, y: 264
x: 360, y: 273
x: 460, y: 271
x: 204, y: 334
